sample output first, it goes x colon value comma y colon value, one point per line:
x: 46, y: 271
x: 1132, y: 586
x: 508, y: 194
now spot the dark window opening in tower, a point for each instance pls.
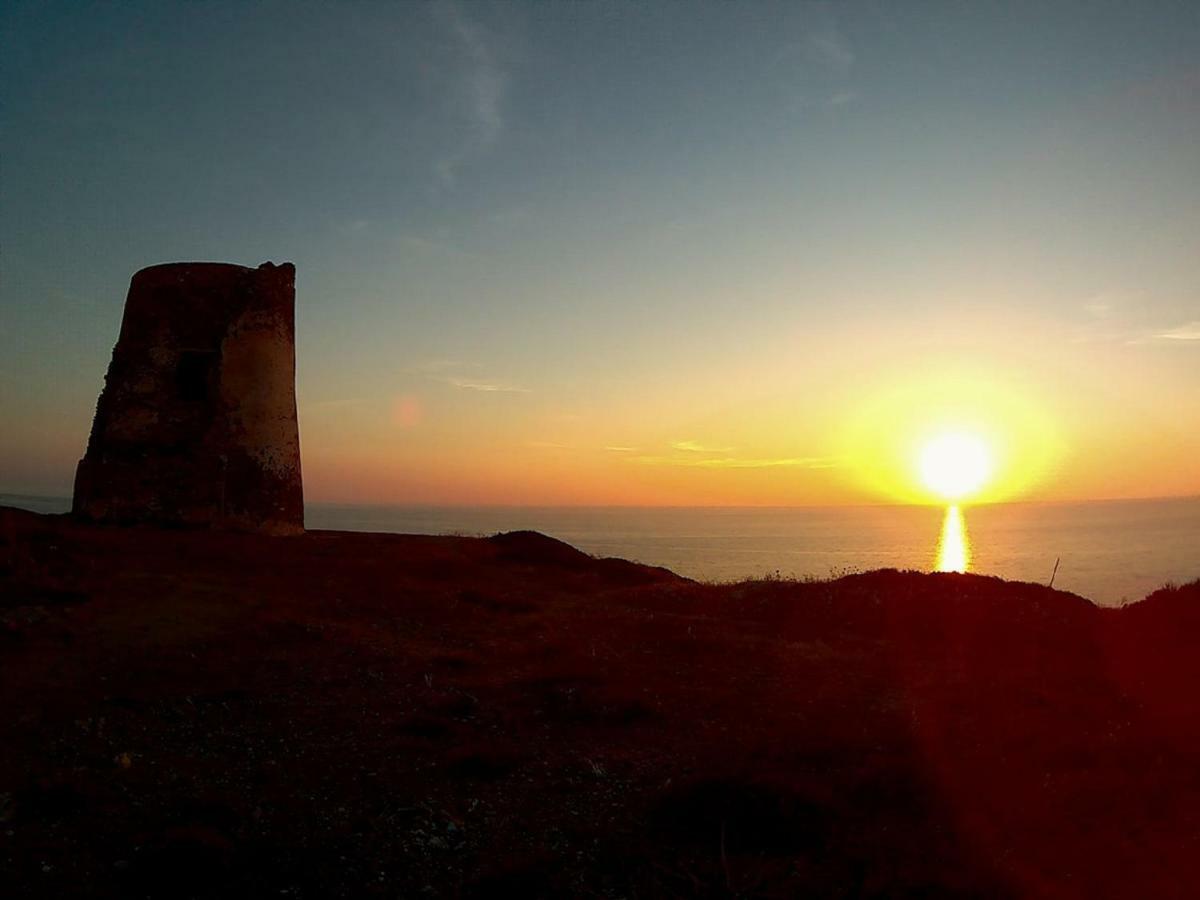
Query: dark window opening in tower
x: 193, y: 374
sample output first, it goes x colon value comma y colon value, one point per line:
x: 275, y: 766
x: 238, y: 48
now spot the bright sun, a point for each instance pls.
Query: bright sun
x: 955, y: 464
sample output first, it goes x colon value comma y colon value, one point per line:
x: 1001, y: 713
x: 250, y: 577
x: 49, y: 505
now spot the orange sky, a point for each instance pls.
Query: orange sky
x: 798, y: 420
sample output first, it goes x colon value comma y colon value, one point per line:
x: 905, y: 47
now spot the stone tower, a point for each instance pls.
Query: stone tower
x: 196, y: 424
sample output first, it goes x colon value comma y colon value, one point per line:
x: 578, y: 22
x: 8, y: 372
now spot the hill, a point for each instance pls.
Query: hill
x: 199, y: 714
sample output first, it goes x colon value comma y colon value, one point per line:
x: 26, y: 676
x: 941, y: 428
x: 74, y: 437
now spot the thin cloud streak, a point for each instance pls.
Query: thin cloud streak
x: 1189, y: 331
x: 337, y: 403
x: 461, y: 374
x: 697, y: 447
x: 730, y: 462
x: 830, y: 51
x: 817, y: 67
x: 436, y: 366
x: 483, y: 83
x: 487, y: 387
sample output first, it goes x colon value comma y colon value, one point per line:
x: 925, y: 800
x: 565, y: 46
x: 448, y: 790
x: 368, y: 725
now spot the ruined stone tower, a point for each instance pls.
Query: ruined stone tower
x: 196, y: 424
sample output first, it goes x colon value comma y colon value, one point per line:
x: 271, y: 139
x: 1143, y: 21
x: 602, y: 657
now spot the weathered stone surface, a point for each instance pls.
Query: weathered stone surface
x: 196, y: 424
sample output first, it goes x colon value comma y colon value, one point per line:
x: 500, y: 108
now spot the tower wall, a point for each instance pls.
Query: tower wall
x: 196, y: 424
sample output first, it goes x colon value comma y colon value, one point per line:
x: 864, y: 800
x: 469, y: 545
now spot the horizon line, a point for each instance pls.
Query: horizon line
x: 691, y: 506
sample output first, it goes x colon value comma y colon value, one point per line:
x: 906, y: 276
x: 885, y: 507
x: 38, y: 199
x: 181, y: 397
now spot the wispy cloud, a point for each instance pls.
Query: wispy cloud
x: 816, y: 67
x: 484, y: 385
x: 1113, y: 316
x: 696, y: 447
x: 420, y: 244
x: 621, y: 449
x: 828, y: 50
x: 733, y: 462
x: 436, y: 366
x: 695, y: 455
x: 1189, y: 331
x: 482, y: 84
x: 338, y: 403
x: 465, y: 376
x: 352, y: 226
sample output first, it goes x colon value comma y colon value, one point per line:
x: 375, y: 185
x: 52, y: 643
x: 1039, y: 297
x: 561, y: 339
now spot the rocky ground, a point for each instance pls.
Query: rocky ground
x: 190, y: 714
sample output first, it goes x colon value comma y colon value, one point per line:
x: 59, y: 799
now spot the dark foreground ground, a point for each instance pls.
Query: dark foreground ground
x: 346, y: 715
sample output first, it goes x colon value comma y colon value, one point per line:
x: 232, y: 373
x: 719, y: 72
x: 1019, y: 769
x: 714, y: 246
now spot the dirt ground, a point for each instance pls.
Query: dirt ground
x: 192, y: 714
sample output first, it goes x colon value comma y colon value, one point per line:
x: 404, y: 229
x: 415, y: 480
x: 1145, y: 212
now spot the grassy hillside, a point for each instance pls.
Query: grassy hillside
x: 208, y: 715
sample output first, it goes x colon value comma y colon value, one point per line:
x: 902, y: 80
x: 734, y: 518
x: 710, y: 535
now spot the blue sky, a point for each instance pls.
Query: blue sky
x: 565, y: 227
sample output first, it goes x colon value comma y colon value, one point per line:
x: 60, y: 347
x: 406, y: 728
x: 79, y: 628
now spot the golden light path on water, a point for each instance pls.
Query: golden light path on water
x: 954, y: 547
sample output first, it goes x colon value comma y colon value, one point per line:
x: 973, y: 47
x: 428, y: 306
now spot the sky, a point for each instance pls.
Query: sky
x: 611, y: 253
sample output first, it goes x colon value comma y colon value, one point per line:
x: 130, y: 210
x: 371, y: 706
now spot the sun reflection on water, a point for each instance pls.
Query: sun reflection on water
x: 954, y: 547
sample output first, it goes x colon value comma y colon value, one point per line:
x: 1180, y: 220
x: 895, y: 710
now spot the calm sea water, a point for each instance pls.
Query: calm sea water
x: 1110, y: 551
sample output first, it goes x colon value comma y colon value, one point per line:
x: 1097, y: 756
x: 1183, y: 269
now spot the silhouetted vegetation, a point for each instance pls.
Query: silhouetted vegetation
x: 211, y: 715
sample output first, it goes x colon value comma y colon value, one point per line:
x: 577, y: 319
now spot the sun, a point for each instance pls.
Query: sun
x: 955, y: 464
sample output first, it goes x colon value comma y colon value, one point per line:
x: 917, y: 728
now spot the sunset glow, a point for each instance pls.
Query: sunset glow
x: 955, y: 465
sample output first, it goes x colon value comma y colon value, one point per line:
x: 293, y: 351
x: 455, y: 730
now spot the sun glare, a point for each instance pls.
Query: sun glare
x: 955, y: 465
x: 954, y: 547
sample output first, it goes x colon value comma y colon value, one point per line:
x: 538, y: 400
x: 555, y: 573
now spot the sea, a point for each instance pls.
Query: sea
x: 1111, y: 552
